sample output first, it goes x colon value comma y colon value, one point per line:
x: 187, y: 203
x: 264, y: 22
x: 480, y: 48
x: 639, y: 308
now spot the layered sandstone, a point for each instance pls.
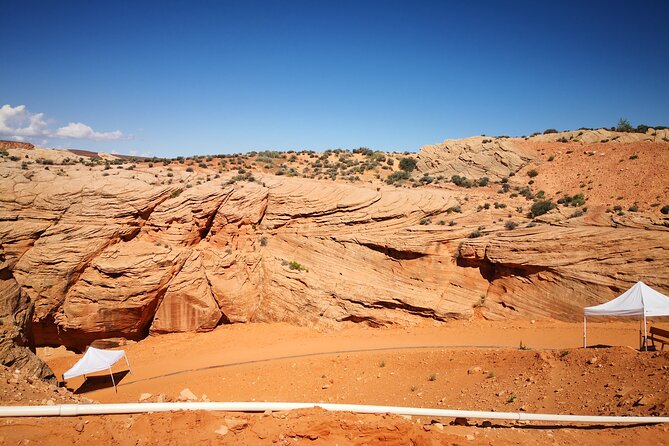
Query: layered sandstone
x: 104, y: 252
x: 474, y: 157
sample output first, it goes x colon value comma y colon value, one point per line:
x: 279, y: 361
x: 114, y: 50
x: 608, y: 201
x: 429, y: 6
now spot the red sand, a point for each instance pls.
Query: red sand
x: 420, y: 366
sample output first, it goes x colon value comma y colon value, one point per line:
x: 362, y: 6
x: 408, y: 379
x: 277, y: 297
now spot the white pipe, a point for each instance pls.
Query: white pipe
x: 585, y: 331
x: 126, y: 408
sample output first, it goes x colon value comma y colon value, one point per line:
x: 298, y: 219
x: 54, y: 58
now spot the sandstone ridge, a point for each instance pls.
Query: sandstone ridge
x: 102, y: 252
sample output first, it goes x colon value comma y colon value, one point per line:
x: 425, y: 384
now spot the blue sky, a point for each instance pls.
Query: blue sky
x: 178, y: 78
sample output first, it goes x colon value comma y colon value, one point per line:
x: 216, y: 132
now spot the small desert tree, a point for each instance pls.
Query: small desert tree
x: 624, y: 125
x: 407, y: 164
x: 540, y: 207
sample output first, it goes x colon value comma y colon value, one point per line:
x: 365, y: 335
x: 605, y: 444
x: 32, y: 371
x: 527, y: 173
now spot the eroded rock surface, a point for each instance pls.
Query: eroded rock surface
x: 474, y: 157
x: 106, y: 253
x: 555, y: 271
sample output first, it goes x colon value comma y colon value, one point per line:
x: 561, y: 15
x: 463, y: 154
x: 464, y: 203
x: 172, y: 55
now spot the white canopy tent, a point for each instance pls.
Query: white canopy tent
x: 95, y: 360
x: 640, y: 300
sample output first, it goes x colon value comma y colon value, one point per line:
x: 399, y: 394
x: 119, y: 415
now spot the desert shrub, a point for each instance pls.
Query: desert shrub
x: 624, y: 125
x: 363, y: 151
x: 474, y: 234
x: 461, y: 181
x: 426, y: 179
x: 540, y: 207
x: 576, y: 200
x: 397, y: 176
x: 189, y: 169
x: 407, y: 164
x: 377, y: 156
x: 452, y: 223
x: 551, y: 158
x: 295, y: 266
x: 203, y: 165
x: 526, y: 192
x: 510, y: 225
x: 547, y: 131
x: 457, y: 209
x: 263, y: 241
x: 577, y: 213
x: 635, y: 156
x: 634, y: 208
x: 532, y: 173
x: 425, y: 221
x: 483, y: 181
x: 665, y: 209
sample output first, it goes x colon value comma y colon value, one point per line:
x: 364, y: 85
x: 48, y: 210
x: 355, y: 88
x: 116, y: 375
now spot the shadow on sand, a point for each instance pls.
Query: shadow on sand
x: 92, y: 383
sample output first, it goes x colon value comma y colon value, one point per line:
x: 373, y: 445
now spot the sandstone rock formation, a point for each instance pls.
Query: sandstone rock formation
x: 604, y: 135
x: 473, y: 157
x: 555, y: 271
x: 16, y: 342
x: 4, y: 145
x: 105, y: 252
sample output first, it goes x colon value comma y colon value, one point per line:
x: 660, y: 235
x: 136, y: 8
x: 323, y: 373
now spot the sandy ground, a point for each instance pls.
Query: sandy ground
x: 458, y: 365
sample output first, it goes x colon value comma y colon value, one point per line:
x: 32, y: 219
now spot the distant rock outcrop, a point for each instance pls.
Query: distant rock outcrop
x: 5, y: 145
x: 603, y: 136
x: 474, y: 157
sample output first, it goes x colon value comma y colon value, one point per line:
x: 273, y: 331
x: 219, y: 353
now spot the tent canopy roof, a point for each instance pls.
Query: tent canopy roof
x: 637, y: 301
x: 94, y: 360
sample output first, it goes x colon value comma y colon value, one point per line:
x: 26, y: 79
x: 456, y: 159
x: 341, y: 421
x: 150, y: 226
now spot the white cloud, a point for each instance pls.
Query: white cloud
x: 18, y: 122
x: 77, y: 130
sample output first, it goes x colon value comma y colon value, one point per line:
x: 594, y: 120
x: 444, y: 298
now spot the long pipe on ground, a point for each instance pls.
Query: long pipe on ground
x: 65, y: 410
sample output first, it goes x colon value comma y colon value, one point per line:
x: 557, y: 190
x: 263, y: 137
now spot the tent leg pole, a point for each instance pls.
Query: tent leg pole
x: 112, y: 378
x: 645, y: 338
x: 585, y: 333
x: 126, y: 361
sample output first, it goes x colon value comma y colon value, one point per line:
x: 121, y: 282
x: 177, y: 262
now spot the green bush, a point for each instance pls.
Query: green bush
x: 547, y: 131
x: 397, y: 176
x: 532, y: 173
x: 576, y: 200
x: 461, y: 181
x: 624, y: 125
x: 510, y: 225
x: 483, y: 181
x: 407, y: 164
x: 474, y: 234
x: 295, y: 266
x: 540, y: 207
